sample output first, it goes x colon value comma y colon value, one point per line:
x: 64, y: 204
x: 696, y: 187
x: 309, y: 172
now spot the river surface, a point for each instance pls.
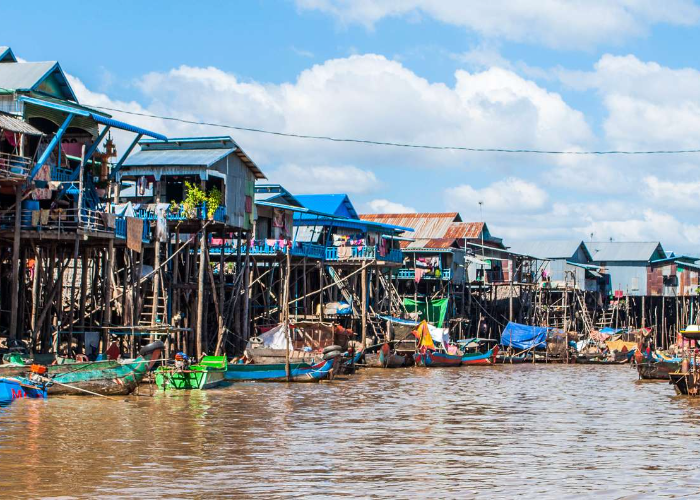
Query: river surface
x: 490, y: 432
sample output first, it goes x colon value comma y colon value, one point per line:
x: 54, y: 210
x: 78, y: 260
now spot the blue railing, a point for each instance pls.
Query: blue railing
x: 409, y: 274
x: 145, y: 214
x: 199, y: 213
x: 351, y: 253
x: 120, y: 229
x: 60, y: 174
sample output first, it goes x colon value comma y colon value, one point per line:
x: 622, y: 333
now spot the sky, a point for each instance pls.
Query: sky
x: 569, y: 75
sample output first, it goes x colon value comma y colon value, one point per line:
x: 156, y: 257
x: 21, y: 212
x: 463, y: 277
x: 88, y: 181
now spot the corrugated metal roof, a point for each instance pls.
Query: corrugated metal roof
x: 177, y: 157
x: 431, y: 243
x: 468, y: 230
x: 275, y: 193
x: 425, y: 225
x: 9, y: 122
x: 23, y: 76
x: 220, y: 143
x: 546, y: 249
x: 625, y: 251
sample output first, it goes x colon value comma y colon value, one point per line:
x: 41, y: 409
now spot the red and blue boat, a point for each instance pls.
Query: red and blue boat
x: 435, y: 359
x: 20, y: 388
x: 480, y: 358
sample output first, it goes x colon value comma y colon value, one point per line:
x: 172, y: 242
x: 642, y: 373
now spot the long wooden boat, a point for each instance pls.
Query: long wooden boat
x: 207, y: 374
x: 478, y: 358
x: 657, y: 369
x: 299, y: 372
x: 512, y: 359
x: 432, y: 359
x: 20, y: 388
x: 117, y: 378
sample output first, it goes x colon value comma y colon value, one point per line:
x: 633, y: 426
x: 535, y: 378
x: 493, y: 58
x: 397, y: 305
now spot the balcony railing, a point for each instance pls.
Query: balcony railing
x: 58, y: 220
x: 60, y: 174
x: 310, y: 250
x: 198, y: 213
x: 120, y: 229
x: 409, y: 274
x: 13, y: 166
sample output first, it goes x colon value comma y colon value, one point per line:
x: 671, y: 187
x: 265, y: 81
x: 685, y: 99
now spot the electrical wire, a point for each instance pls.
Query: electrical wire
x: 400, y: 144
x: 372, y: 142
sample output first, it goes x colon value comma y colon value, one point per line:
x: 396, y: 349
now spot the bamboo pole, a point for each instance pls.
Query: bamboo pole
x: 14, y: 289
x: 285, y: 303
x: 200, y: 295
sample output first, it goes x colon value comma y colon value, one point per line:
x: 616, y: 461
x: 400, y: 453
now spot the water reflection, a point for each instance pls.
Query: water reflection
x: 497, y: 432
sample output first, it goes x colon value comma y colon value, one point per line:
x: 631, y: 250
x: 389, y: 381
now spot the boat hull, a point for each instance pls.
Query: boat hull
x: 685, y: 384
x: 657, y: 370
x: 194, y: 378
x: 437, y: 360
x: 15, y: 388
x: 481, y: 359
x: 299, y: 372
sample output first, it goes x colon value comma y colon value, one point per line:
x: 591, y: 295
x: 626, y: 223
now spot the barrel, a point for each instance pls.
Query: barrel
x: 27, y: 207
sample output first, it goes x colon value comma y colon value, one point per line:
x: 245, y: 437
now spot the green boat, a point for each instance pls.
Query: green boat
x: 208, y: 373
x: 107, y: 378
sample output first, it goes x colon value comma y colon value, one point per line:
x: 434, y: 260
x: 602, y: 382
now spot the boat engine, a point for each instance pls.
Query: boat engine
x: 182, y: 361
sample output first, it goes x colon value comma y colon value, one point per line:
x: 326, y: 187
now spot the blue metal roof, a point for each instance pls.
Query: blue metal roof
x: 98, y: 118
x: 303, y: 219
x: 204, y: 158
x: 333, y: 204
x: 125, y: 126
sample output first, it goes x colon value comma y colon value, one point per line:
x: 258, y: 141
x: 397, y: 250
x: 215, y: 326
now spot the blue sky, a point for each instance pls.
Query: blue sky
x: 545, y: 74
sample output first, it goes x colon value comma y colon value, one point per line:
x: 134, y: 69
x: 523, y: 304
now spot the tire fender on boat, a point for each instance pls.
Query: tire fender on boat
x: 153, y: 346
x: 332, y: 348
x: 331, y: 355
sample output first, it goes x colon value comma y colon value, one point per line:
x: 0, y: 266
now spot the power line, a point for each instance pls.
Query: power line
x: 394, y: 144
x: 399, y: 144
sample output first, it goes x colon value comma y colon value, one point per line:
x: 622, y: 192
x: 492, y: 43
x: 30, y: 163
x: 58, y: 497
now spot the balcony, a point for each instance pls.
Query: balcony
x: 340, y: 254
x: 198, y: 213
x: 273, y: 248
x: 58, y: 220
x: 60, y: 174
x: 13, y: 167
x: 410, y: 274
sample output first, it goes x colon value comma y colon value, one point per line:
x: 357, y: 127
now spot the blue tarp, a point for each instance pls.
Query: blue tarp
x: 524, y: 337
x: 611, y: 331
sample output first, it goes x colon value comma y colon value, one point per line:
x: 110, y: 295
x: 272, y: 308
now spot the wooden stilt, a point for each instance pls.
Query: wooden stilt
x: 14, y: 289
x: 200, y: 340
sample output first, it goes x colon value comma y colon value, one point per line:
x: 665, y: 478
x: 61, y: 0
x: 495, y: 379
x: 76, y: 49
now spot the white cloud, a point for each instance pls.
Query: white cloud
x: 363, y: 97
x: 554, y: 23
x: 383, y: 206
x: 680, y: 196
x: 324, y: 179
x: 509, y: 195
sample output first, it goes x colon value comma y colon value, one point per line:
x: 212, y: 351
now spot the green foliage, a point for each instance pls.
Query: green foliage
x: 194, y: 197
x: 214, y: 198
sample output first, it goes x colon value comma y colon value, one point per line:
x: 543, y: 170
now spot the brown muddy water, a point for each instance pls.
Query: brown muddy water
x: 488, y: 432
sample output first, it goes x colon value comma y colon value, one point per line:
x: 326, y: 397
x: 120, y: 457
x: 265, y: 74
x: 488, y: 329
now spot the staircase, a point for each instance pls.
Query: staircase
x: 346, y: 292
x: 608, y: 316
x: 396, y: 306
x: 146, y: 318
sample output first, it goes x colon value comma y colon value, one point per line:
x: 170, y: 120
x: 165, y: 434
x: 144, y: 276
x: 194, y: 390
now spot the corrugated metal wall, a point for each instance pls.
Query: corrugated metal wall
x: 240, y: 182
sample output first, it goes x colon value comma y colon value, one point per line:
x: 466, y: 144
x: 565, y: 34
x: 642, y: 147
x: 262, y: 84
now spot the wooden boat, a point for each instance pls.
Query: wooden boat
x: 478, y: 358
x: 657, y: 369
x: 350, y: 365
x: 105, y: 377
x: 208, y: 373
x: 685, y: 384
x: 512, y: 359
x: 386, y: 358
x: 299, y: 372
x: 434, y: 359
x: 20, y: 388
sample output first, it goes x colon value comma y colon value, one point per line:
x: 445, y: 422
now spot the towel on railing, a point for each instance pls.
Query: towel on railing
x: 109, y: 220
x: 344, y: 253
x: 36, y: 217
x: 134, y: 234
x: 44, y: 216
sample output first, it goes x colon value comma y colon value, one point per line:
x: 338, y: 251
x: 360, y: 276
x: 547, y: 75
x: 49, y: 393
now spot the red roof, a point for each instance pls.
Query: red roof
x: 429, y: 226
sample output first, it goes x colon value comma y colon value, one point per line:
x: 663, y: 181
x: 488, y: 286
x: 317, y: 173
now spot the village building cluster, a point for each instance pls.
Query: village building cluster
x: 184, y: 240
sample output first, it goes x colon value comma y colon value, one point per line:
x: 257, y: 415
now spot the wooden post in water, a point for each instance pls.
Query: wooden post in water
x: 285, y: 314
x: 363, y: 287
x: 108, y: 295
x: 14, y: 289
x: 200, y: 294
x: 245, y: 330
